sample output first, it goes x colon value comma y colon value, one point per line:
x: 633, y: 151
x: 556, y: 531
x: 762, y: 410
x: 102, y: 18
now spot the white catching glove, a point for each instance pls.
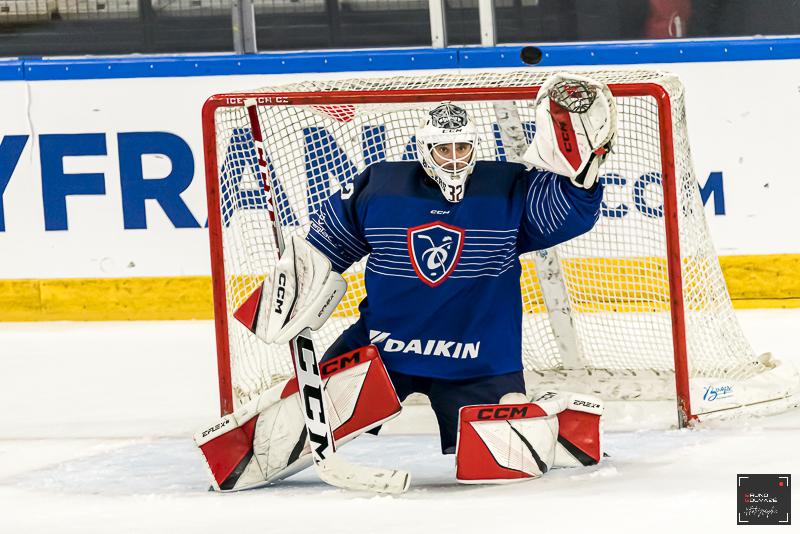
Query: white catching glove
x: 576, y: 128
x: 304, y: 292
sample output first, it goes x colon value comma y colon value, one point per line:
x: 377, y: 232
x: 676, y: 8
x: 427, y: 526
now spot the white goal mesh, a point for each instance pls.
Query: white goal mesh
x: 319, y: 135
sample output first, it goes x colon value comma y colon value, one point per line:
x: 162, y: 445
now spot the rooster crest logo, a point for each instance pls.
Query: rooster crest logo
x: 434, y: 249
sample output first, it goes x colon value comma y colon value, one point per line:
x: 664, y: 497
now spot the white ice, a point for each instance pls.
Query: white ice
x: 97, y: 419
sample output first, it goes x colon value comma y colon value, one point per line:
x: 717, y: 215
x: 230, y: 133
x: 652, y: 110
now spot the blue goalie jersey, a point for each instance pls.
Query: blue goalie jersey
x: 443, y: 279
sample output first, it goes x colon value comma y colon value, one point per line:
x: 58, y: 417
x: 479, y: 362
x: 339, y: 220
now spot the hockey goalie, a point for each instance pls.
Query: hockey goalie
x: 443, y: 311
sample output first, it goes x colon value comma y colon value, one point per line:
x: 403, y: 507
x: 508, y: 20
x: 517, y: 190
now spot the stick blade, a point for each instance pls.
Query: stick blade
x: 337, y: 472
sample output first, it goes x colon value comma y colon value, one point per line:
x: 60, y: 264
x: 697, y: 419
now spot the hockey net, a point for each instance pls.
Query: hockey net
x: 628, y: 310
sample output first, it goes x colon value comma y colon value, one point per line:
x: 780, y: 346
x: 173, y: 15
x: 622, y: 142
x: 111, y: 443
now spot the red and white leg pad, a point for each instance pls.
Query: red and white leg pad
x: 579, y: 428
x: 500, y: 443
x: 518, y: 440
x: 266, y: 440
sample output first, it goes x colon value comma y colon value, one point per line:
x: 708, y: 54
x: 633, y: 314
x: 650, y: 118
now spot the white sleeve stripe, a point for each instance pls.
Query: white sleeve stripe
x: 548, y: 205
x: 539, y: 212
x: 393, y: 242
x: 555, y: 207
x: 509, y: 250
x: 485, y: 262
x: 370, y: 267
x: 564, y: 203
x: 355, y: 244
x: 496, y: 257
x: 493, y: 275
x: 321, y: 238
x: 529, y: 196
x: 506, y: 243
x: 488, y: 246
x: 330, y: 250
x: 483, y: 269
x: 495, y: 239
x: 335, y: 258
x: 550, y: 212
x: 402, y: 232
x: 389, y: 267
x: 378, y: 260
x: 355, y: 241
x: 405, y: 249
x: 531, y: 202
x: 464, y: 256
x: 514, y: 230
x: 331, y: 217
x: 480, y: 264
x: 376, y: 254
x: 335, y: 232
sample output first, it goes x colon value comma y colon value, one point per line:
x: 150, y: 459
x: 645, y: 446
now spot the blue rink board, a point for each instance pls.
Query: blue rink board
x: 136, y: 66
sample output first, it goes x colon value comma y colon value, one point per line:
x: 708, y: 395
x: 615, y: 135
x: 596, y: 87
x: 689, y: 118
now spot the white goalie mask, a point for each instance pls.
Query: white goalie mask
x: 447, y: 148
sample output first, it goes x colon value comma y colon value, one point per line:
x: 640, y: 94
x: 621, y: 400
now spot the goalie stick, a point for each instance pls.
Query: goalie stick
x: 331, y: 468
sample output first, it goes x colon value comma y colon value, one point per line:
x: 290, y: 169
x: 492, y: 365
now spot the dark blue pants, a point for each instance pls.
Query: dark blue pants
x: 446, y: 396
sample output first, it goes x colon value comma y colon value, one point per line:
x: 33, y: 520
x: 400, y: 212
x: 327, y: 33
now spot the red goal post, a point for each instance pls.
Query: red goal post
x: 643, y: 281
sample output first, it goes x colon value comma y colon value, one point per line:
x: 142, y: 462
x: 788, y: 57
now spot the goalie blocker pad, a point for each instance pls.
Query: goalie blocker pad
x: 266, y: 439
x: 500, y: 443
x: 305, y: 292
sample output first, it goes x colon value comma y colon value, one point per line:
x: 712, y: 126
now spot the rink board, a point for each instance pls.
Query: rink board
x: 753, y: 281
x: 82, y: 138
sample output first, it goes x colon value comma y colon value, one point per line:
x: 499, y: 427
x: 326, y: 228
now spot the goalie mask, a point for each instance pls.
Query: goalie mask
x: 447, y: 144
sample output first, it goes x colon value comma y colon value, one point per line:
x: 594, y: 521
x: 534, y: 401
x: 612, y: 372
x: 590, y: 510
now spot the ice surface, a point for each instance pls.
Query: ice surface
x: 97, y: 419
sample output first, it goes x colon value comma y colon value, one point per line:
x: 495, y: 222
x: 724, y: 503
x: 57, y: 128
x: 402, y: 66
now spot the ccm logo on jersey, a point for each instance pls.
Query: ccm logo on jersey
x: 426, y: 347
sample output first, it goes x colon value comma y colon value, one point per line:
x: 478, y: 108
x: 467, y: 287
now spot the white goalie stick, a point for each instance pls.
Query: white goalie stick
x: 332, y: 469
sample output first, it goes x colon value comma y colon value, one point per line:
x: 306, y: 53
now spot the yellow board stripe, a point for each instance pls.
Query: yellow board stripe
x: 762, y: 281
x: 106, y: 299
